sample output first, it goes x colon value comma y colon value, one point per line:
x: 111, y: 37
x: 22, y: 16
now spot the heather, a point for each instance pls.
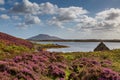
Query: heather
x: 45, y: 65
x: 22, y: 63
x: 8, y: 40
x: 36, y: 66
x: 111, y: 56
x: 25, y: 61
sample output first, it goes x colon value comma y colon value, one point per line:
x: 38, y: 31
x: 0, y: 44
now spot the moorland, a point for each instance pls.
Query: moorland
x: 19, y: 60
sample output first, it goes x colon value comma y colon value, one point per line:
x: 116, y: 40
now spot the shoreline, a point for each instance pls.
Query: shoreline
x: 69, y: 40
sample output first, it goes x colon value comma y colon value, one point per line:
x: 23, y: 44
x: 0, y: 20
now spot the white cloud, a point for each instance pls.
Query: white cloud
x: 109, y: 14
x: 54, y: 21
x: 61, y: 15
x: 31, y: 11
x: 104, y: 21
x: 29, y: 19
x: 86, y: 23
x: 65, y: 15
x: 27, y: 7
x: 2, y: 2
x: 48, y: 8
x: 4, y: 16
x: 70, y: 13
x: 107, y: 20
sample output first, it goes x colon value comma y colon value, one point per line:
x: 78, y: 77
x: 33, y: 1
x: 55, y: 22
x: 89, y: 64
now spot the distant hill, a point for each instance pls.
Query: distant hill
x: 44, y: 37
x: 8, y: 40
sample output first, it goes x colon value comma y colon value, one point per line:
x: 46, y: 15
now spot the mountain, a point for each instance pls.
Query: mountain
x: 44, y: 37
x: 8, y: 40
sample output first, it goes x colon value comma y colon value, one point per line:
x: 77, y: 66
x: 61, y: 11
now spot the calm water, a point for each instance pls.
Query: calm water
x: 81, y: 46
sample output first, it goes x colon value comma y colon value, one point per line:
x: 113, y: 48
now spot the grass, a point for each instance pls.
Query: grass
x: 68, y: 58
x: 10, y: 51
x: 49, y: 46
x: 112, y: 55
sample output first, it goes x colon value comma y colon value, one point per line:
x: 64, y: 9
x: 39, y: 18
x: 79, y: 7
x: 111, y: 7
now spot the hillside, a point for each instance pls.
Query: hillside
x: 17, y: 63
x: 44, y: 37
x: 8, y: 40
x: 58, y: 66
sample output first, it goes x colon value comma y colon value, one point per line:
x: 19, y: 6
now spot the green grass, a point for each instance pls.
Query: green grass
x: 49, y: 46
x: 10, y: 51
x: 113, y: 55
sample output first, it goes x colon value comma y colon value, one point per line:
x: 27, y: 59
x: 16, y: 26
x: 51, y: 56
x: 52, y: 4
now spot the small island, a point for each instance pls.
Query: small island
x: 39, y: 46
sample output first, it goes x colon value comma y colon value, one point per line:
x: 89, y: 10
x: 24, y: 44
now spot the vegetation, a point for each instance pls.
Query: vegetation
x: 100, y: 65
x: 12, y: 50
x: 112, y: 55
x: 43, y: 65
x: 43, y: 46
x: 21, y: 62
x: 10, y: 40
x: 36, y: 66
x: 81, y: 40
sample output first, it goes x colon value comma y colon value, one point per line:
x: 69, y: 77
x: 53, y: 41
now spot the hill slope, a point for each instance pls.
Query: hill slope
x: 8, y: 39
x: 44, y: 37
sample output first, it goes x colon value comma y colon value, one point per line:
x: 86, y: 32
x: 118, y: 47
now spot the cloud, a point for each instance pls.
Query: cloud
x: 48, y: 8
x: 104, y: 21
x: 4, y: 16
x: 29, y: 19
x: 2, y: 2
x: 107, y: 20
x: 70, y: 29
x: 54, y: 21
x: 22, y: 25
x: 16, y: 17
x: 27, y: 7
x: 109, y: 14
x: 61, y: 15
x: 70, y: 14
x: 86, y: 23
x: 31, y: 11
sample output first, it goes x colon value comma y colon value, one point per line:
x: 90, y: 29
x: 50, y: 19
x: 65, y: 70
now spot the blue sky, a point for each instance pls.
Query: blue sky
x: 70, y: 19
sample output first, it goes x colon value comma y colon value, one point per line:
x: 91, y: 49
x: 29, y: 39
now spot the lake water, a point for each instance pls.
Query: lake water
x: 81, y: 46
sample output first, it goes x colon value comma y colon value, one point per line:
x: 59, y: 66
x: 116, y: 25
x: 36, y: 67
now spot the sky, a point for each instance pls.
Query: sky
x: 67, y: 19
